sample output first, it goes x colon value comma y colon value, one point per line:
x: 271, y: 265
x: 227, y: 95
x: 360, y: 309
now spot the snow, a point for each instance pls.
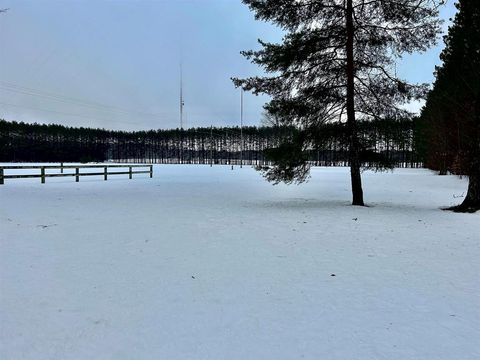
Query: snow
x: 210, y: 263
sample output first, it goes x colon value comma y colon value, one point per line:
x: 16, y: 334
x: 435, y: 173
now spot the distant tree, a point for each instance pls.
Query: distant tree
x: 451, y: 115
x: 336, y: 64
x: 268, y: 119
x: 45, y: 143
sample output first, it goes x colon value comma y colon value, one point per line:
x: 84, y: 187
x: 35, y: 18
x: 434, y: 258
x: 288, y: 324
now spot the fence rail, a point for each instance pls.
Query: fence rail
x: 43, y: 174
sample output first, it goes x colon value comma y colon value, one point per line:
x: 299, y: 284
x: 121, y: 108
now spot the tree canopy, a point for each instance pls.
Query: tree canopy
x: 336, y: 63
x: 451, y: 116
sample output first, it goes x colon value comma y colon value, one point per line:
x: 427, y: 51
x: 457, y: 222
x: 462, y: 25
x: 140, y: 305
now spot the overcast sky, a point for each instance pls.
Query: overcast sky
x: 115, y: 64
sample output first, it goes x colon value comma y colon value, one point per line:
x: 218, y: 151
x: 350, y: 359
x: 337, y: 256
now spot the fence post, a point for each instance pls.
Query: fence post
x: 151, y: 171
x: 42, y: 174
x: 129, y: 172
x: 77, y: 174
x: 105, y: 173
x: 61, y: 168
x: 1, y: 176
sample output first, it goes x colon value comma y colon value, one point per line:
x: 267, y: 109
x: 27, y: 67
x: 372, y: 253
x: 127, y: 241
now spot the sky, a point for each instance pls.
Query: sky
x: 116, y: 64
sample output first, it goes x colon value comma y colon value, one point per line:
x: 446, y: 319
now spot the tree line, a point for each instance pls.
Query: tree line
x: 23, y: 142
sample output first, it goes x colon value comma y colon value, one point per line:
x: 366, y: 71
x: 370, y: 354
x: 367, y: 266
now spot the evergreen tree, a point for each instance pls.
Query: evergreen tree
x: 43, y: 143
x: 336, y: 64
x: 451, y: 115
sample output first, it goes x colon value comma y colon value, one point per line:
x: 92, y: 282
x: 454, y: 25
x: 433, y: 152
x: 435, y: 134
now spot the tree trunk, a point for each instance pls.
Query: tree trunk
x: 471, y: 203
x: 354, y: 148
x: 472, y: 200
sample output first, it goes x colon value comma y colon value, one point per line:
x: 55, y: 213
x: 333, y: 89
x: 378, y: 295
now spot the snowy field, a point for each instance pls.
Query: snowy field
x: 210, y: 263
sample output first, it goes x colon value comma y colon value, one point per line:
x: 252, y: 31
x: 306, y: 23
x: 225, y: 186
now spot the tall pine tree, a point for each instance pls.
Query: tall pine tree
x: 336, y: 64
x: 451, y: 115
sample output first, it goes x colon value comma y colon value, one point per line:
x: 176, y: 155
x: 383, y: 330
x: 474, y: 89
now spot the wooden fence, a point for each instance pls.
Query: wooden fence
x: 43, y: 171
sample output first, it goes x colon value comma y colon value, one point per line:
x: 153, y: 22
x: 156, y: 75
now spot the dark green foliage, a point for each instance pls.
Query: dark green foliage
x: 290, y: 159
x: 450, y: 120
x: 34, y: 142
x: 54, y: 143
x: 379, y: 141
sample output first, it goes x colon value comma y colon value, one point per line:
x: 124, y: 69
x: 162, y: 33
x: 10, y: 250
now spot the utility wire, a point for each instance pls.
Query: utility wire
x: 68, y: 114
x: 222, y: 134
x: 65, y: 99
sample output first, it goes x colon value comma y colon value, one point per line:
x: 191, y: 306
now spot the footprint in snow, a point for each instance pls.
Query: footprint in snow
x: 46, y: 226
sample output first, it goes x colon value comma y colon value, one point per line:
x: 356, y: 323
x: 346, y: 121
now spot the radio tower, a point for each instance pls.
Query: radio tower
x: 182, y: 103
x: 241, y: 127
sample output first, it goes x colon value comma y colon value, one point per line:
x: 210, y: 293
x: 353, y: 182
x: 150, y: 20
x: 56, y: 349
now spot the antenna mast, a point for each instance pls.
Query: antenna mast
x: 182, y: 103
x: 241, y: 127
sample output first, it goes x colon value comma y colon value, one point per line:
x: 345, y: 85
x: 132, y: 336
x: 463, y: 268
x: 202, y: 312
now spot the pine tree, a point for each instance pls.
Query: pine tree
x: 336, y: 64
x: 451, y: 115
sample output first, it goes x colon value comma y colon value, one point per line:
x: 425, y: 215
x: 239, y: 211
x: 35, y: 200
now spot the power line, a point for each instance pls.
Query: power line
x: 95, y: 106
x: 65, y: 99
x: 65, y: 113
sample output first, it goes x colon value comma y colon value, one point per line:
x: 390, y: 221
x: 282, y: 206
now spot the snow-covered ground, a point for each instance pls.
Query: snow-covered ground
x: 210, y: 263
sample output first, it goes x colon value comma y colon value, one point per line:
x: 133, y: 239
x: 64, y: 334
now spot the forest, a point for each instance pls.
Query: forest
x: 22, y: 142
